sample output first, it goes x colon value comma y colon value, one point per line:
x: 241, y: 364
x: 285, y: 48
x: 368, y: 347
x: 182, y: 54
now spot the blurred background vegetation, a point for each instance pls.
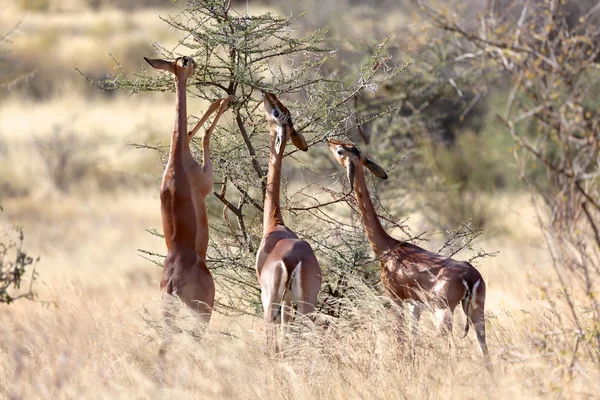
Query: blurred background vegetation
x: 444, y: 111
x: 486, y: 83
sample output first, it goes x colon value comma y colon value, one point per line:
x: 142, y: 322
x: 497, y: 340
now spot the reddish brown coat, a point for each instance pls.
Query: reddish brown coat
x: 286, y: 266
x: 409, y: 272
x: 184, y: 187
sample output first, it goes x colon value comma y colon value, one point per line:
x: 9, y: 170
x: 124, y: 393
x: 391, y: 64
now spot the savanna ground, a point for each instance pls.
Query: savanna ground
x: 85, y: 199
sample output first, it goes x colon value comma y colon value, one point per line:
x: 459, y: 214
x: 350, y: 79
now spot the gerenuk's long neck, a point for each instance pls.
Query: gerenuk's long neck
x: 272, y: 209
x: 179, y: 139
x: 378, y: 238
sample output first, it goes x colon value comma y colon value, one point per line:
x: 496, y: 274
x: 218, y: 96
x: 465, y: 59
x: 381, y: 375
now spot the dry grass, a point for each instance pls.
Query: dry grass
x: 101, y: 342
x: 95, y: 331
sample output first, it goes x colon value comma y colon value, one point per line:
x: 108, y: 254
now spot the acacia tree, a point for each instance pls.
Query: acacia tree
x: 240, y: 54
x: 550, y: 61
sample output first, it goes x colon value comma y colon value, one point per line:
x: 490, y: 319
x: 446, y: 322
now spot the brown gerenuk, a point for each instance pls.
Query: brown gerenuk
x: 286, y: 267
x: 183, y: 192
x: 408, y: 272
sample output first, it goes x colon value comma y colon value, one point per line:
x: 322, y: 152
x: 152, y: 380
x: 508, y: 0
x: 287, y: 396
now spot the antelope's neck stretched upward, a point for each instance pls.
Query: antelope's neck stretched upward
x: 179, y: 140
x: 272, y: 208
x: 378, y: 238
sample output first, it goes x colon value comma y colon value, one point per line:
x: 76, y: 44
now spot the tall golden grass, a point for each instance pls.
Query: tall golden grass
x: 97, y: 332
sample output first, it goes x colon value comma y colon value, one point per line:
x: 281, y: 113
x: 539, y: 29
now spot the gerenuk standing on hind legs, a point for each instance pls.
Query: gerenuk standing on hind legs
x: 184, y: 188
x: 286, y: 267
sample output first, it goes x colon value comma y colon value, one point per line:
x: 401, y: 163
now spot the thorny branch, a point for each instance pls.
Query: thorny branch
x: 15, y: 263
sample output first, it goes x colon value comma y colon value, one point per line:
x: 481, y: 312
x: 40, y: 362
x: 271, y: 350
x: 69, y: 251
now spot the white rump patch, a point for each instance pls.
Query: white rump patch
x: 473, y: 295
x: 296, y: 282
x: 283, y: 282
x: 466, y: 289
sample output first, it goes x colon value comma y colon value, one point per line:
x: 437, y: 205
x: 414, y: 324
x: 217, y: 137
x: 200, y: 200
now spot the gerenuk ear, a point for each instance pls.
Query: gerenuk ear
x: 298, y: 139
x: 375, y: 169
x: 157, y: 63
x: 350, y: 172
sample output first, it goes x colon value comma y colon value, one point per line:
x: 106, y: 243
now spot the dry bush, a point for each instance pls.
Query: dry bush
x: 67, y: 156
x: 15, y: 263
x: 72, y: 160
